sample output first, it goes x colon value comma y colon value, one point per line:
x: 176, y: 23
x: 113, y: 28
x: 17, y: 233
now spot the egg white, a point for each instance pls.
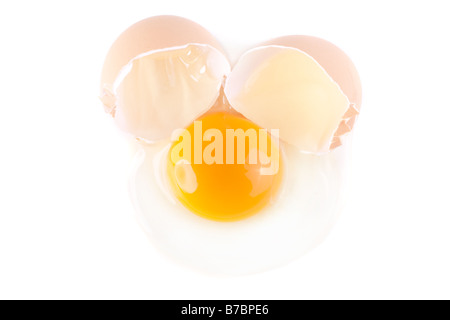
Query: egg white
x: 310, y: 200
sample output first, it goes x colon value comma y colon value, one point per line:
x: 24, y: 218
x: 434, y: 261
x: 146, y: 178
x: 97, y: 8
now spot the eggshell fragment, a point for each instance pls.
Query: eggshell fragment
x: 161, y: 74
x: 304, y: 86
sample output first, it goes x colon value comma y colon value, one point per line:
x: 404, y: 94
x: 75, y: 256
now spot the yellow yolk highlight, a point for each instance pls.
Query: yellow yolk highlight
x: 237, y: 180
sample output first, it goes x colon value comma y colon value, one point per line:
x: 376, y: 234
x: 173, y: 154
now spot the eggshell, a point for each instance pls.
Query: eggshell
x: 151, y: 34
x: 152, y: 84
x: 311, y: 112
x: 335, y: 61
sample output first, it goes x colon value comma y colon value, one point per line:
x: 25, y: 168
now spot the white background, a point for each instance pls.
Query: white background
x: 67, y: 227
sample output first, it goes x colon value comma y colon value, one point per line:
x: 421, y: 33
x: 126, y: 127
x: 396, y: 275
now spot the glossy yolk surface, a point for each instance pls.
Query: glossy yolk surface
x: 225, y: 191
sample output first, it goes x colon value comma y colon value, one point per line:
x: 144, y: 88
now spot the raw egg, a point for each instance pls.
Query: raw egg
x: 223, y: 190
x: 237, y: 170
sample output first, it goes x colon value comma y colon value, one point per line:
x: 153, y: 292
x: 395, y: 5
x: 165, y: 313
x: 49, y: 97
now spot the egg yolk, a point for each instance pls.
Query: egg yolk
x: 224, y: 168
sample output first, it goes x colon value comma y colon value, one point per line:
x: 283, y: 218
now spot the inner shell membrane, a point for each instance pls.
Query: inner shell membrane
x: 167, y: 89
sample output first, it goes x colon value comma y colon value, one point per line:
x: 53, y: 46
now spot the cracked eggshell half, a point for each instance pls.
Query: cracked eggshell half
x: 304, y: 86
x: 161, y: 74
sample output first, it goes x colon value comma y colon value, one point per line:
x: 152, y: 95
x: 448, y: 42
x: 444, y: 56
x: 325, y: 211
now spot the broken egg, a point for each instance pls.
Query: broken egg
x: 238, y: 170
